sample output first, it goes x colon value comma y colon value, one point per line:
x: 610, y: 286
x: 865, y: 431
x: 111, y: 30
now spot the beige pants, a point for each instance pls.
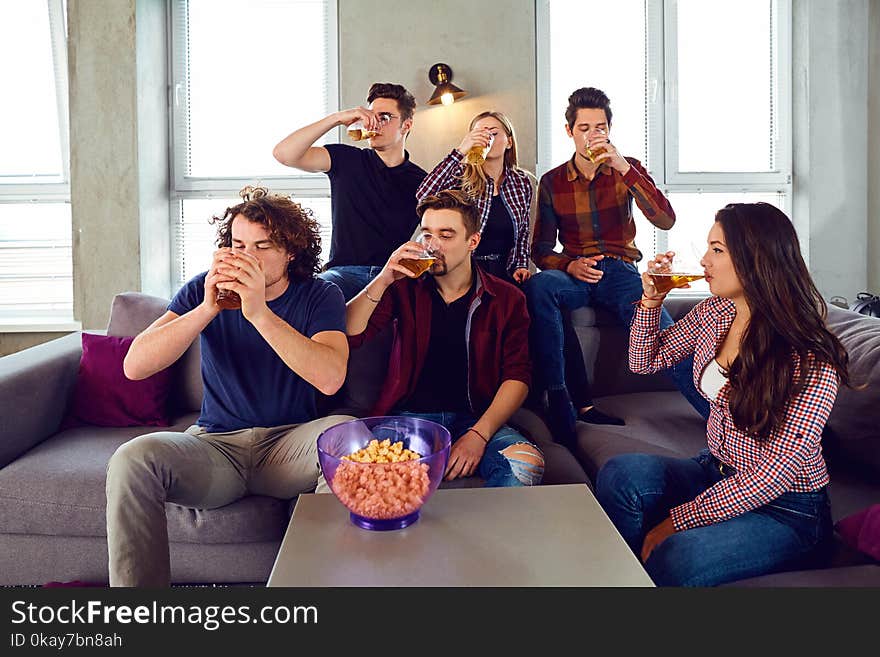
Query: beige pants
x: 199, y: 470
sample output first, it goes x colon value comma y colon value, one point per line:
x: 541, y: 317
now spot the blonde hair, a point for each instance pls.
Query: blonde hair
x: 473, y: 178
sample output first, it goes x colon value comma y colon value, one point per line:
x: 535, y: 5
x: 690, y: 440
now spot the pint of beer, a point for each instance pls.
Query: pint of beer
x: 593, y: 153
x: 228, y: 300
x: 418, y: 266
x: 477, y: 154
x: 357, y: 131
x: 663, y: 282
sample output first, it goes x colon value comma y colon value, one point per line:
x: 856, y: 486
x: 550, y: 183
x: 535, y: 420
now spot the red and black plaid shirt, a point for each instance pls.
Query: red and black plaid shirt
x: 517, y: 187
x: 594, y: 217
x: 789, y: 461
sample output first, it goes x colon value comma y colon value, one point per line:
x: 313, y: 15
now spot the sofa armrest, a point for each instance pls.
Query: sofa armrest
x: 35, y: 386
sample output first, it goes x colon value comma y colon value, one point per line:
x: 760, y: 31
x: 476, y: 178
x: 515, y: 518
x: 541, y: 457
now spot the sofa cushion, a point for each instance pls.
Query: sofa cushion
x: 852, y: 576
x: 105, y: 397
x: 57, y: 489
x: 661, y: 423
x: 130, y: 314
x: 853, y: 433
x: 861, y: 531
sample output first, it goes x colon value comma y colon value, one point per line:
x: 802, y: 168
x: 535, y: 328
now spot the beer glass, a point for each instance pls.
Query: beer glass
x: 592, y: 154
x: 228, y: 300
x: 358, y: 132
x: 685, y: 268
x: 477, y: 154
x: 426, y: 258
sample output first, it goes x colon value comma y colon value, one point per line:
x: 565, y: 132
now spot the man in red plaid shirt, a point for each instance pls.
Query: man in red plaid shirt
x: 587, y: 204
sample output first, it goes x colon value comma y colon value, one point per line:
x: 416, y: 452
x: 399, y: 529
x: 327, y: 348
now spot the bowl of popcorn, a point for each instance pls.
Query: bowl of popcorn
x: 383, y: 469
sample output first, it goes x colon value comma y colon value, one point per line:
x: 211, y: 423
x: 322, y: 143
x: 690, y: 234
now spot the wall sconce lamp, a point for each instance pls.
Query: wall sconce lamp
x: 445, y: 92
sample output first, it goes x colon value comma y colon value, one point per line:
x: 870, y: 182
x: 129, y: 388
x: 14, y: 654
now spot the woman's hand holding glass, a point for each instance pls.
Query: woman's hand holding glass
x: 476, y: 144
x: 660, y: 264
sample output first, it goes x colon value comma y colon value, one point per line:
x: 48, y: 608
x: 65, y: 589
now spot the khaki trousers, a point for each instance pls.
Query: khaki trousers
x: 200, y: 470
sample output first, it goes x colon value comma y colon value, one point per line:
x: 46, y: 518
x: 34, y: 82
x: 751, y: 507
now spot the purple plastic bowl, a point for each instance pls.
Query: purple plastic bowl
x: 383, y: 496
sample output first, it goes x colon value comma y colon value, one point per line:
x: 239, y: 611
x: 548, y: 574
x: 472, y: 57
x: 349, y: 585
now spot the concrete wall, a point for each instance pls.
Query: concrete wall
x: 830, y: 71
x: 874, y: 148
x: 489, y: 45
x: 103, y: 155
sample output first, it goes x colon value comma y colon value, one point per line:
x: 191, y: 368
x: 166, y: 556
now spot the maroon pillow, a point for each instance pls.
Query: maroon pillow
x: 861, y: 531
x: 106, y: 398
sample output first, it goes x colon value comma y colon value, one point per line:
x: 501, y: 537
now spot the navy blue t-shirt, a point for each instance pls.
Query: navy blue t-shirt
x: 373, y: 206
x: 246, y: 383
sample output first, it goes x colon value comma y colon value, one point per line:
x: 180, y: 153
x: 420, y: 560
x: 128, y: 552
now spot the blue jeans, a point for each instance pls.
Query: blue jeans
x: 637, y: 491
x: 497, y: 468
x: 351, y: 279
x: 551, y: 292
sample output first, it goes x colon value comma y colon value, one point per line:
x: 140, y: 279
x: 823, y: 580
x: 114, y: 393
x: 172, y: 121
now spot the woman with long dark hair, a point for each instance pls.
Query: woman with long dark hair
x: 755, y: 501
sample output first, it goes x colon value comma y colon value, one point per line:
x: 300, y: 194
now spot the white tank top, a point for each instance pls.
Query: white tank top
x: 713, y: 379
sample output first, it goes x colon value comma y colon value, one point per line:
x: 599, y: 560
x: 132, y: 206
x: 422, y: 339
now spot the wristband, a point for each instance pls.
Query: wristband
x: 486, y: 440
x: 367, y: 294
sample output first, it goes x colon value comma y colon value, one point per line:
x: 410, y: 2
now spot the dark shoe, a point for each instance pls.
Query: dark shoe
x: 595, y: 416
x: 561, y: 418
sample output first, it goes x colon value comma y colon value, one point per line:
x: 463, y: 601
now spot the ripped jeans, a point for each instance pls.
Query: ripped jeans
x: 502, y: 463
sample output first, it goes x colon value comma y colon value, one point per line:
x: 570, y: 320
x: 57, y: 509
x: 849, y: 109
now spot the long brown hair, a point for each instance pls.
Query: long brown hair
x: 473, y: 178
x: 290, y: 226
x: 787, y: 318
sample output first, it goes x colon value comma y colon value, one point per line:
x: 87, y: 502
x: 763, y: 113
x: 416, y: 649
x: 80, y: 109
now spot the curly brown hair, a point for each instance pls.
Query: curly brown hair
x: 290, y: 226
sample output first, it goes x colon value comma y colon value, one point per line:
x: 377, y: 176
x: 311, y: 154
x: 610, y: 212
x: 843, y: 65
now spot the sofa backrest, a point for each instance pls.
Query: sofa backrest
x: 852, y: 435
x: 605, y: 345
x: 130, y: 314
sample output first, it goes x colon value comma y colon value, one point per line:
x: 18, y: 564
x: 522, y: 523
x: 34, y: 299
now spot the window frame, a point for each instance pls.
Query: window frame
x: 665, y: 50
x: 662, y: 118
x: 54, y: 189
x: 17, y: 189
x: 302, y: 184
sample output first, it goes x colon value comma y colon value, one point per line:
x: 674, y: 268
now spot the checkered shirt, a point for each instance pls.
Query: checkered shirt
x: 516, y: 194
x: 593, y: 217
x: 789, y: 461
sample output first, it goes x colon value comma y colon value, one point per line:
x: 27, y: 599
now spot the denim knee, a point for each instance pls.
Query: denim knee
x: 511, y: 460
x: 545, y: 283
x: 621, y: 478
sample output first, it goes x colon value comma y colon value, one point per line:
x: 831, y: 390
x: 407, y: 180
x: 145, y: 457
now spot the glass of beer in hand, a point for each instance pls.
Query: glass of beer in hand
x: 593, y: 153
x: 684, y: 268
x: 419, y: 265
x: 477, y: 154
x: 358, y: 132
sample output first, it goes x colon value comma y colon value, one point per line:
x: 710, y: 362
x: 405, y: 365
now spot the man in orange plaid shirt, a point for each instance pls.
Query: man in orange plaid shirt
x: 587, y: 204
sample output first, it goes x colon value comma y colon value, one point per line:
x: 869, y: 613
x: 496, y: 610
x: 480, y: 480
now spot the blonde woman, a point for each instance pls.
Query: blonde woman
x: 503, y: 193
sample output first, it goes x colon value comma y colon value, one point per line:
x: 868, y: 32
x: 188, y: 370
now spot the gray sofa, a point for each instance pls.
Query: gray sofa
x: 52, y: 482
x: 660, y: 421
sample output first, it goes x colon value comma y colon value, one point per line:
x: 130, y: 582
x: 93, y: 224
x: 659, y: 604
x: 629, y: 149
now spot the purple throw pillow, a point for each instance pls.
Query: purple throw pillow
x: 861, y: 531
x: 106, y: 398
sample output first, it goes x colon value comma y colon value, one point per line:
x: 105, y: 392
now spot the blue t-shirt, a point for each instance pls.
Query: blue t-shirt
x: 246, y: 383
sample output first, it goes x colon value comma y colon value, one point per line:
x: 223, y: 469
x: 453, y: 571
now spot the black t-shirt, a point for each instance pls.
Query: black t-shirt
x: 443, y: 381
x: 497, y: 236
x: 373, y: 206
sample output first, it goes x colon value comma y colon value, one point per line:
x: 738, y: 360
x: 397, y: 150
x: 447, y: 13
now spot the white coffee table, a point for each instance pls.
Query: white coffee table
x: 539, y: 536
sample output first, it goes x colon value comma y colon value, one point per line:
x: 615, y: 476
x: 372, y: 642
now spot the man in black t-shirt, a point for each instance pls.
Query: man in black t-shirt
x: 372, y: 190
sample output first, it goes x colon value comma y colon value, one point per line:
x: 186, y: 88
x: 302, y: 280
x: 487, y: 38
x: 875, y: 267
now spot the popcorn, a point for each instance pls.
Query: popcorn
x: 384, y: 452
x: 382, y: 480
